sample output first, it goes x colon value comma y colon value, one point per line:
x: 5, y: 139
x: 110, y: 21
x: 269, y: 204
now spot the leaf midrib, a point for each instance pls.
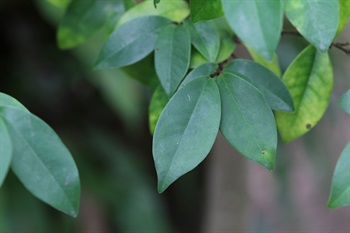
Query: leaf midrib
x: 126, y: 45
x: 175, y: 154
x: 247, y: 123
x: 40, y: 160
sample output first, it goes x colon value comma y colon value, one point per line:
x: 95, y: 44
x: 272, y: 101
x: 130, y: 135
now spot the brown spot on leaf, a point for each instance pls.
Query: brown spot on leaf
x: 308, y: 126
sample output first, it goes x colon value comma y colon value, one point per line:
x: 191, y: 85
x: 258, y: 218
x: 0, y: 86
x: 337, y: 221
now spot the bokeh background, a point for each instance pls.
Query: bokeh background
x: 102, y: 117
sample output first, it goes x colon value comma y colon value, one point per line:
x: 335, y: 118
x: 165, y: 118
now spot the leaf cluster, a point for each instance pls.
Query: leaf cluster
x: 185, y: 53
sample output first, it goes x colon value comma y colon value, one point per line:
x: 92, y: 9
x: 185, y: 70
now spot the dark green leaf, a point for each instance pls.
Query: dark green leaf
x: 158, y: 103
x: 186, y: 130
x: 309, y: 80
x: 42, y: 162
x: 172, y: 56
x: 274, y: 90
x: 143, y: 71
x: 205, y: 9
x: 257, y: 23
x: 247, y: 121
x: 5, y: 151
x: 131, y: 42
x: 344, y: 102
x: 340, y: 191
x: 204, y: 70
x: 175, y: 10
x: 60, y: 3
x: 206, y: 39
x: 83, y: 18
x: 317, y: 21
x: 155, y: 2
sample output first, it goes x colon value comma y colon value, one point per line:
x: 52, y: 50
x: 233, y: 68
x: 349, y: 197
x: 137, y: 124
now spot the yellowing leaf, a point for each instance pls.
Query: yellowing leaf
x: 309, y: 80
x: 344, y: 14
x: 175, y: 10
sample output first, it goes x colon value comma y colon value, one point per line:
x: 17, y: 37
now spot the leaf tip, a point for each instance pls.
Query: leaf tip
x: 162, y: 187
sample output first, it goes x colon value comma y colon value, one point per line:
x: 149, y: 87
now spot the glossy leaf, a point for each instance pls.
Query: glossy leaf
x: 310, y: 80
x: 340, y: 191
x: 344, y: 14
x: 271, y: 65
x: 131, y: 42
x: 42, y: 162
x: 206, y: 39
x: 172, y: 56
x: 204, y: 70
x: 186, y: 130
x: 175, y: 10
x: 10, y: 102
x: 316, y: 20
x: 257, y: 23
x: 5, y: 151
x: 205, y: 10
x: 274, y: 90
x: 83, y: 18
x: 158, y: 103
x: 247, y: 121
x: 344, y: 102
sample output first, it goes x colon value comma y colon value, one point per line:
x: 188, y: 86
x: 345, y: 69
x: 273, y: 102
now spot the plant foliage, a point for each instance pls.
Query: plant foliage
x: 201, y: 88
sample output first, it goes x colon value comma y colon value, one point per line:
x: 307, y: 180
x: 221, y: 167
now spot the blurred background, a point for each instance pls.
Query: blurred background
x: 102, y: 117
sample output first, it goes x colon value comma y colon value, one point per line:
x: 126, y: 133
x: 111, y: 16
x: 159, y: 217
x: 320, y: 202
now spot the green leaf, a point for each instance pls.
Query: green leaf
x: 344, y: 14
x: 172, y: 56
x: 205, y: 9
x: 197, y: 59
x: 158, y: 103
x: 316, y: 20
x: 60, y: 3
x: 344, y: 102
x: 247, y: 121
x: 340, y: 191
x: 143, y: 71
x: 204, y: 70
x: 206, y: 39
x: 175, y: 10
x: 257, y: 23
x: 83, y: 18
x: 273, y: 65
x: 155, y: 2
x: 131, y: 42
x: 41, y: 161
x: 310, y: 80
x: 10, y: 102
x: 5, y: 151
x: 274, y: 90
x: 227, y: 47
x: 186, y: 130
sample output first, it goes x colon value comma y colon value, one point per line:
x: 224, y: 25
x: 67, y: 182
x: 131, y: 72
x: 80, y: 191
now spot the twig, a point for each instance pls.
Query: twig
x: 345, y: 47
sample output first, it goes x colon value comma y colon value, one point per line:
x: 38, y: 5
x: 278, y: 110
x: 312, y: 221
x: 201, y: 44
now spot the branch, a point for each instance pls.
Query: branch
x: 345, y: 47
